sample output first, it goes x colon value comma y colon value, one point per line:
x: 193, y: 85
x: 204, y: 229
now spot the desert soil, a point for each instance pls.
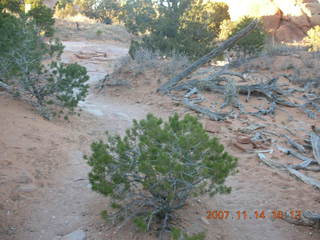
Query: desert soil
x: 45, y: 192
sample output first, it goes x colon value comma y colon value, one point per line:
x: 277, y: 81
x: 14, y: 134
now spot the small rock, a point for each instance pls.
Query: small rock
x: 76, y: 235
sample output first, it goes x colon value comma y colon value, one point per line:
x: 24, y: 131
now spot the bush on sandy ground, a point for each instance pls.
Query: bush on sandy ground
x: 156, y: 168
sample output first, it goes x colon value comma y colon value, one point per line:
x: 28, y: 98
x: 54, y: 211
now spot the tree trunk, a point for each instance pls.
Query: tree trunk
x: 214, y: 53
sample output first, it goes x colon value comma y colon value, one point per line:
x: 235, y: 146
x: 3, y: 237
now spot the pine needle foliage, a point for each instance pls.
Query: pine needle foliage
x: 156, y: 167
x: 33, y: 69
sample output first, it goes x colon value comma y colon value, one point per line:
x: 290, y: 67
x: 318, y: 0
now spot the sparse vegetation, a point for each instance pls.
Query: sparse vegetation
x: 156, y: 168
x: 128, y: 69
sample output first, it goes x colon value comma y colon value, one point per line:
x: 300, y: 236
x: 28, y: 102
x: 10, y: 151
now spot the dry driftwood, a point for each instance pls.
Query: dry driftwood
x: 307, y: 219
x: 215, y: 52
x: 269, y: 90
x: 296, y: 145
x: 304, y: 178
x: 315, y: 141
x: 301, y: 176
x: 212, y: 115
x: 297, y: 155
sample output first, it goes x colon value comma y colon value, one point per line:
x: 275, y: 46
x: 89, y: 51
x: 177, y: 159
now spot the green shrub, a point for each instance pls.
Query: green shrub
x: 12, y: 5
x: 104, y: 11
x: 156, y: 167
x: 186, y: 27
x: 52, y: 87
x: 313, y: 39
x: 66, y: 11
x: 43, y: 18
x: 41, y: 15
x: 250, y: 45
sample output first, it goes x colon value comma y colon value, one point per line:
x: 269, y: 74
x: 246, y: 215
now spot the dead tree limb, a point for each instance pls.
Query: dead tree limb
x: 295, y: 144
x: 212, y: 115
x: 307, y: 219
x: 269, y: 89
x: 214, y: 53
x: 297, y: 155
x: 304, y: 178
x: 283, y: 167
x: 315, y: 141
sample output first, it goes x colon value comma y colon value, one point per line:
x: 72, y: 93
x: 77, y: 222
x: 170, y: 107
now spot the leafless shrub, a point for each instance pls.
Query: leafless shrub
x: 144, y: 61
x: 170, y: 67
x: 230, y: 93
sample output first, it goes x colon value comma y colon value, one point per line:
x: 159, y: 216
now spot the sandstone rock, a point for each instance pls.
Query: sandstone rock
x: 272, y: 22
x: 287, y: 20
x: 289, y: 32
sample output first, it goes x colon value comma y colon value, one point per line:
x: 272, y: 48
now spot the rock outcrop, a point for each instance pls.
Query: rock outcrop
x: 286, y: 20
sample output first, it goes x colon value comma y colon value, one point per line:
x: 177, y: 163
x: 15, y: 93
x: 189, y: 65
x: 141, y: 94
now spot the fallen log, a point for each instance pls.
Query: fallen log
x: 214, y: 53
x: 296, y: 145
x: 304, y: 178
x: 215, y: 116
x: 315, y: 141
x: 306, y: 219
x: 283, y: 167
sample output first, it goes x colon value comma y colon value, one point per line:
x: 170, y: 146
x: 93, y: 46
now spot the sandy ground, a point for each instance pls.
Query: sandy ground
x: 45, y: 193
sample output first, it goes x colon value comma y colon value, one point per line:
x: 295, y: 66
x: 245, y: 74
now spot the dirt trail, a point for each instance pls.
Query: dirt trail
x: 69, y: 204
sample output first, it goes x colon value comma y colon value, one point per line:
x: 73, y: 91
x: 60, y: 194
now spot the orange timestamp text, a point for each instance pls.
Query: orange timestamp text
x: 254, y: 214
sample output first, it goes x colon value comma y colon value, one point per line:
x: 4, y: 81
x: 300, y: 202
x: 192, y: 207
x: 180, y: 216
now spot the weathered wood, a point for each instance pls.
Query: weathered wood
x: 269, y: 89
x: 297, y: 155
x: 304, y: 178
x: 214, y: 53
x: 307, y: 219
x: 212, y: 115
x: 315, y: 141
x: 271, y: 163
x: 295, y: 144
x: 283, y: 167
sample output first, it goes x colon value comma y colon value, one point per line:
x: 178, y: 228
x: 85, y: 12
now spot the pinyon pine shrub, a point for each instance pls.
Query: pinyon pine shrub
x: 187, y: 27
x: 32, y: 68
x: 250, y: 45
x: 43, y: 18
x: 156, y: 167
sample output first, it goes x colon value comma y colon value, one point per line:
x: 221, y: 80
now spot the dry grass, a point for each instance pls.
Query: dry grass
x: 66, y: 29
x: 145, y: 68
x: 283, y: 49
